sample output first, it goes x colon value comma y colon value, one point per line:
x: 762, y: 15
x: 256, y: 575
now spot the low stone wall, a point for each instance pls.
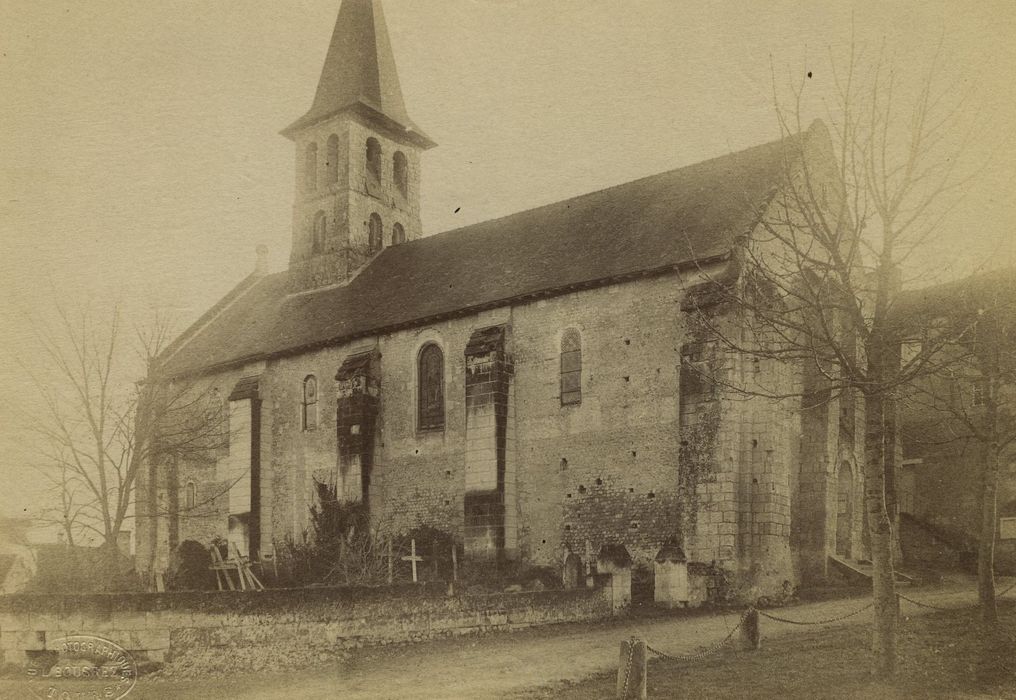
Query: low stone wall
x: 295, y: 626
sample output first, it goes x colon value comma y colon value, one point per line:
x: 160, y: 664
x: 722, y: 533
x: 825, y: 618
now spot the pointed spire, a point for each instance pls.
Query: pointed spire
x: 359, y: 73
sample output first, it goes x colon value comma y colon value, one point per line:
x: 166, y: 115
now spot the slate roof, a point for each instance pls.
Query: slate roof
x: 359, y: 74
x: 958, y: 299
x: 648, y: 226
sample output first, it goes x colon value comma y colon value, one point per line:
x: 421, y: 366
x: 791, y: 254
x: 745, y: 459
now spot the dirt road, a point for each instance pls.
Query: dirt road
x: 497, y: 665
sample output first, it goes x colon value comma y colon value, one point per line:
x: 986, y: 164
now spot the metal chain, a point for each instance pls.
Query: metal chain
x: 815, y: 622
x: 706, y: 652
x: 775, y: 618
x: 627, y: 671
x: 919, y: 604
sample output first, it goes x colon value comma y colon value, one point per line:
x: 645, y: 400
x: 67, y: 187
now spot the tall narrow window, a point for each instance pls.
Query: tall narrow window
x: 332, y: 163
x: 310, y: 400
x: 400, y: 172
x: 373, y: 159
x: 191, y: 495
x: 430, y: 377
x: 398, y: 234
x: 375, y: 231
x: 571, y: 367
x: 310, y: 168
x: 317, y: 243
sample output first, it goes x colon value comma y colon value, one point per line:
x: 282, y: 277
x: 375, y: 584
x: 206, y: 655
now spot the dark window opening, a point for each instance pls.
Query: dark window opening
x: 430, y: 375
x: 400, y: 171
x: 317, y: 244
x: 373, y: 161
x: 398, y: 234
x: 309, y: 403
x: 571, y: 368
x: 375, y: 231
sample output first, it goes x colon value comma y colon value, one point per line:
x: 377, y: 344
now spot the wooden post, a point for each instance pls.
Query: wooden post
x: 391, y: 564
x: 455, y: 563
x: 631, y: 670
x: 751, y: 637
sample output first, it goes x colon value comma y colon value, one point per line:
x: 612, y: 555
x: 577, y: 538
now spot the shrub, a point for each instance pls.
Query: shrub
x: 189, y: 568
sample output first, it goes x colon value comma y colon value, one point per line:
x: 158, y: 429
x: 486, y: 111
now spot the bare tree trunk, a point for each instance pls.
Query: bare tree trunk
x: 880, y: 530
x: 986, y: 547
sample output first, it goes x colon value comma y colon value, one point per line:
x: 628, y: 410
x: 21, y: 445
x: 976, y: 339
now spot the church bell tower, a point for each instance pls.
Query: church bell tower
x: 357, y: 157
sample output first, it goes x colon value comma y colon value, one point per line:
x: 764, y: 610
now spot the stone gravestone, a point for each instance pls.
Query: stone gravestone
x: 614, y: 561
x: 572, y: 574
x: 671, y: 577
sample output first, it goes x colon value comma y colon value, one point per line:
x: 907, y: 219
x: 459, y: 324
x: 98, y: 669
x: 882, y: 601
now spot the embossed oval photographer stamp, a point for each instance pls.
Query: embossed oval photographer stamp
x: 82, y: 666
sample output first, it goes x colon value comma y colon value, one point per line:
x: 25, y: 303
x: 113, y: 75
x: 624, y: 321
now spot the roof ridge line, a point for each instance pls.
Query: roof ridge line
x: 206, y: 319
x: 616, y: 185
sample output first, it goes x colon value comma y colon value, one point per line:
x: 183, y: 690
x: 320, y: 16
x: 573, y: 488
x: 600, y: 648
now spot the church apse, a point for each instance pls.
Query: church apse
x: 358, y: 399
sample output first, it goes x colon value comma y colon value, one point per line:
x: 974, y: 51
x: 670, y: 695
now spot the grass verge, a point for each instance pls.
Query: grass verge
x: 941, y: 655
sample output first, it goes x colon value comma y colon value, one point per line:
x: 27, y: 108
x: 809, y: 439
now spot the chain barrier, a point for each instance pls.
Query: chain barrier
x: 706, y: 652
x: 627, y: 671
x: 815, y: 622
x: 775, y: 618
x: 919, y: 604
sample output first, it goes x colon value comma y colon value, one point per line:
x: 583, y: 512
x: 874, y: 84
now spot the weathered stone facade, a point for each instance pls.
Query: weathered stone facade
x: 572, y: 412
x: 610, y: 469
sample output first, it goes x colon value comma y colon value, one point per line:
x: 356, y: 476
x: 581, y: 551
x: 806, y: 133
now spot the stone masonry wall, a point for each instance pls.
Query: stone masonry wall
x: 603, y: 471
x: 288, y: 628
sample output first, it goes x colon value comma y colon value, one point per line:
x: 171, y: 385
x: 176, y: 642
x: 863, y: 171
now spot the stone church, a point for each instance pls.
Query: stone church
x: 528, y: 384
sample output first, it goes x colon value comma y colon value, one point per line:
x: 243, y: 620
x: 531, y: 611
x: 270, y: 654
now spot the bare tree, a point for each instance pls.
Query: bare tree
x: 969, y: 400
x: 815, y: 283
x: 98, y: 428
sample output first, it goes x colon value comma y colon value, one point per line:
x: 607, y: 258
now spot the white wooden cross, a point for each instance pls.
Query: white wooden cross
x: 412, y: 557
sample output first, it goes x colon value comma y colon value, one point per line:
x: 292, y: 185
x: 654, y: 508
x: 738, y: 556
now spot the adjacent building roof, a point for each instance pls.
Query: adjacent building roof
x: 991, y: 291
x: 647, y: 226
x: 359, y: 74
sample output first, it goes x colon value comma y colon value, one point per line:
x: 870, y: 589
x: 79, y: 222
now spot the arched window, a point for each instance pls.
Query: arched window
x: 374, y: 232
x: 309, y: 403
x: 310, y: 168
x: 373, y: 160
x: 398, y: 234
x: 400, y: 171
x: 571, y: 367
x: 430, y: 378
x: 332, y: 164
x: 317, y: 242
x: 191, y: 495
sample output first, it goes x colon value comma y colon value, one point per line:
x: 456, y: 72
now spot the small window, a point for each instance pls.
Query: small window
x: 430, y: 377
x: 373, y: 159
x: 190, y: 496
x: 310, y: 168
x: 571, y: 367
x: 374, y: 233
x: 400, y: 171
x: 398, y: 234
x: 310, y: 400
x: 317, y: 244
x: 332, y: 164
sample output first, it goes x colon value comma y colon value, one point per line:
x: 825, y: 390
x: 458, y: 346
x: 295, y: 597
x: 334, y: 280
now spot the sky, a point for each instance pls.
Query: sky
x: 140, y: 159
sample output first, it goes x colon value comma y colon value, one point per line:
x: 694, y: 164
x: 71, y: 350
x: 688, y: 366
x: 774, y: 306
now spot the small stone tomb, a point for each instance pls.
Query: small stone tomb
x: 672, y: 588
x: 614, y: 561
